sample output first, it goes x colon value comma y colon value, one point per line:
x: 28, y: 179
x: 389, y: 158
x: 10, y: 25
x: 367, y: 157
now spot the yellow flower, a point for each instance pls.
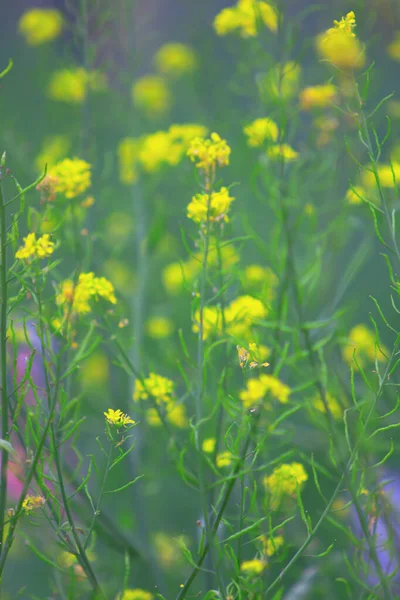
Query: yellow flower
x: 136, y: 594
x: 175, y: 59
x: 32, y: 503
x: 72, y: 177
x: 340, y: 46
x: 281, y: 81
x: 353, y: 195
x: 159, y: 387
x: 271, y: 545
x: 168, y: 549
x: 208, y: 445
x: 87, y: 288
x: 394, y: 47
x: 207, y: 153
x: 284, y: 480
x: 150, y: 93
x: 362, y: 341
x: 245, y: 17
x: 176, y: 274
x: 334, y: 407
x: 282, y: 150
x: 54, y: 148
x: 387, y: 177
x: 117, y: 418
x: 253, y: 567
x: 128, y: 159
x: 72, y: 85
x: 253, y: 354
x: 176, y: 414
x: 159, y: 328
x: 318, y: 96
x: 256, y: 390
x: 40, y: 25
x: 242, y: 313
x: 260, y: 279
x: 260, y: 131
x: 35, y: 248
x: 224, y: 459
x: 393, y: 107
x: 215, y: 209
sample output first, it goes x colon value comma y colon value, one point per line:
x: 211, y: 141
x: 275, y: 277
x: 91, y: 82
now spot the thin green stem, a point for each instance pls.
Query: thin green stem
x: 101, y: 494
x: 3, y: 360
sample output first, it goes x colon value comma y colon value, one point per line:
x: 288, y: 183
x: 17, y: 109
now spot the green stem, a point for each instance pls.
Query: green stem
x: 3, y: 359
x: 101, y: 494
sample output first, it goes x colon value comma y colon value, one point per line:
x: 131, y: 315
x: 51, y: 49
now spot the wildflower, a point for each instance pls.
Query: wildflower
x: 157, y: 149
x: 281, y: 81
x: 388, y: 175
x: 159, y: 387
x: 282, y: 151
x: 54, y: 148
x: 176, y: 274
x: 246, y: 355
x: 40, y: 25
x: 168, y: 549
x: 151, y: 94
x: 207, y: 153
x: 47, y: 189
x: 260, y: 131
x: 159, y: 328
x: 362, y: 341
x: 36, y: 248
x: 244, y: 18
x: 257, y: 388
x: 340, y: 46
x: 333, y: 405
x: 73, y: 176
x: 208, y: 445
x: 285, y: 480
x: 224, y: 459
x: 253, y: 567
x: 214, y: 209
x: 242, y: 313
x: 271, y: 545
x: 88, y: 202
x: 354, y: 195
x: 260, y: 279
x: 318, y: 96
x: 72, y: 85
x: 117, y: 418
x: 175, y: 59
x: 128, y: 154
x: 212, y: 321
x: 87, y: 288
x: 394, y: 47
x: 31, y: 503
x: 136, y: 594
x: 176, y: 414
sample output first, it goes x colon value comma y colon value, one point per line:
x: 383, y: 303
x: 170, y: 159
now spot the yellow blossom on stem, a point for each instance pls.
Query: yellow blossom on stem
x: 175, y: 59
x: 388, y: 175
x: 251, y: 356
x: 260, y: 131
x: 159, y: 387
x: 136, y: 594
x: 334, y: 407
x: 128, y: 155
x: 253, y: 567
x: 224, y: 459
x: 318, y: 96
x: 72, y: 85
x: 36, y: 248
x: 282, y: 151
x: 354, y: 195
x: 72, y: 177
x: 207, y: 153
x: 176, y: 274
x: 271, y: 545
x: 394, y: 47
x: 363, y: 344
x: 159, y: 328
x: 245, y: 17
x: 284, y: 481
x: 214, y: 209
x: 117, y: 418
x: 257, y: 388
x: 340, y: 46
x: 208, y: 445
x: 40, y: 25
x: 31, y: 503
x: 88, y: 288
x: 151, y: 94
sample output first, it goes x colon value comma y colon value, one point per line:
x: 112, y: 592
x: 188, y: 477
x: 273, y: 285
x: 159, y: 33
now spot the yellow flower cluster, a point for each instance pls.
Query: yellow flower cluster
x: 394, y: 47
x: 159, y: 328
x: 333, y: 405
x: 213, y: 209
x: 161, y: 389
x: 224, y: 459
x: 253, y: 567
x: 240, y: 315
x: 117, y: 418
x: 207, y: 153
x: 137, y: 594
x: 362, y: 342
x: 245, y: 18
x: 282, y: 151
x: 271, y: 545
x: 151, y: 94
x: 153, y: 151
x: 253, y: 356
x: 353, y: 195
x: 72, y: 85
x: 31, y: 503
x: 257, y: 388
x: 284, y: 481
x: 260, y: 131
x: 40, y: 25
x: 318, y: 96
x: 87, y: 289
x: 175, y: 59
x: 35, y: 248
x: 208, y: 445
x: 260, y: 280
x: 54, y: 148
x: 388, y: 175
x: 340, y: 46
x: 72, y: 176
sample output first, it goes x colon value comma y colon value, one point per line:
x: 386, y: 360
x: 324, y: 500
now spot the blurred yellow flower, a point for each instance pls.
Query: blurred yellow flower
x: 340, y: 46
x: 207, y: 153
x: 159, y: 387
x: 253, y: 567
x: 176, y: 274
x: 168, y: 549
x: 40, y: 25
x: 260, y: 131
x: 151, y: 94
x: 71, y: 177
x: 35, y: 248
x: 208, y: 445
x: 95, y: 370
x: 362, y: 343
x: 175, y: 59
x: 394, y: 47
x: 128, y: 159
x: 117, y: 418
x: 387, y: 176
x: 333, y: 405
x: 136, y: 594
x: 281, y: 81
x: 257, y: 388
x: 224, y: 459
x: 31, y: 503
x: 318, y: 96
x: 353, y: 195
x: 214, y: 209
x: 284, y: 480
x: 54, y: 148
x: 72, y: 85
x: 271, y: 545
x: 257, y: 278
x: 282, y: 151
x: 87, y: 288
x: 159, y: 328
x: 245, y: 18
